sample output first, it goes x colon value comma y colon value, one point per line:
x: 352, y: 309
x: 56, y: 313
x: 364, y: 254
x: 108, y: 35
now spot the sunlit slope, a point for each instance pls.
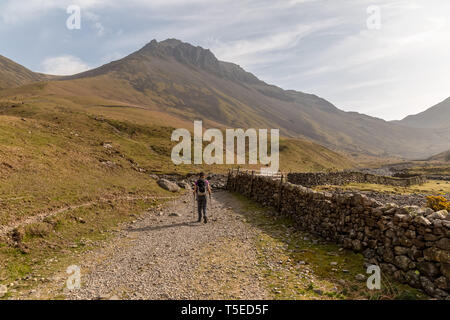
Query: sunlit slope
x: 442, y: 157
x: 190, y: 82
x: 55, y: 151
x: 13, y: 74
x: 437, y: 116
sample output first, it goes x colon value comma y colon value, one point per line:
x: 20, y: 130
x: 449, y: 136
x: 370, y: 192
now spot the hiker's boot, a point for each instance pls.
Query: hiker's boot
x: 199, y: 219
x: 205, y: 220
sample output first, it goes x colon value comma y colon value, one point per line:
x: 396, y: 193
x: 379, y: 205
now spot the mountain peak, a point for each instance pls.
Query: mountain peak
x: 166, y: 43
x: 196, y: 56
x: 183, y: 52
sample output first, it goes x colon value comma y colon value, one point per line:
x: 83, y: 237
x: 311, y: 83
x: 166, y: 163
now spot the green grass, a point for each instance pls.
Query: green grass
x: 434, y: 187
x: 430, y: 169
x: 55, y: 159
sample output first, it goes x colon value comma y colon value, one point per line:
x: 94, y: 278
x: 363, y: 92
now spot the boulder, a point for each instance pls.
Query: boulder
x: 413, y: 278
x: 174, y: 214
x: 445, y: 269
x: 442, y: 283
x: 184, y: 185
x: 428, y: 268
x: 360, y: 277
x: 428, y: 286
x: 357, y: 246
x: 422, y: 221
x: 444, y: 244
x: 434, y: 254
x: 438, y: 215
x: 401, y: 250
x: 168, y: 185
x: 402, y: 262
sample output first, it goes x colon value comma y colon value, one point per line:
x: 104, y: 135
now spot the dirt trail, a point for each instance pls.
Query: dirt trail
x: 46, y: 214
x: 173, y: 257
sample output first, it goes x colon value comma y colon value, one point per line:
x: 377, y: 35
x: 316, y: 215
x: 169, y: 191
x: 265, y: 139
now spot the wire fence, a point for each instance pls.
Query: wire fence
x: 273, y: 175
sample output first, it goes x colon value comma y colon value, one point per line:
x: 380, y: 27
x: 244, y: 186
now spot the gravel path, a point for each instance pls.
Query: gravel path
x: 244, y: 252
x: 168, y: 256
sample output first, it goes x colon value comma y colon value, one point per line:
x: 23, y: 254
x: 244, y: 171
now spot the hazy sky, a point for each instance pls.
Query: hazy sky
x: 323, y: 47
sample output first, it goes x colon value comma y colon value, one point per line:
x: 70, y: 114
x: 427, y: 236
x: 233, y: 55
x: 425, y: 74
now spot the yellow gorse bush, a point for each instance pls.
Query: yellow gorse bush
x: 438, y: 203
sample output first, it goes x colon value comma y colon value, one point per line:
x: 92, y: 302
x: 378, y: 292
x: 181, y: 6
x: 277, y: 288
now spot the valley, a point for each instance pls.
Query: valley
x: 81, y: 155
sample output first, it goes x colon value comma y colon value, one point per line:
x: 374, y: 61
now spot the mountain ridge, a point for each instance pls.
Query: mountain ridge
x: 443, y: 157
x: 437, y: 116
x: 13, y: 74
x: 189, y: 82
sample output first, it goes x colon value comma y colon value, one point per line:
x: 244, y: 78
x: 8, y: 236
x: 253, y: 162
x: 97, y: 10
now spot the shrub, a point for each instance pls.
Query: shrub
x: 38, y: 230
x: 438, y: 203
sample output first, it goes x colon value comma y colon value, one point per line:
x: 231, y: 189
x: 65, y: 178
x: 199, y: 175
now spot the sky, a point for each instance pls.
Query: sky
x: 384, y: 58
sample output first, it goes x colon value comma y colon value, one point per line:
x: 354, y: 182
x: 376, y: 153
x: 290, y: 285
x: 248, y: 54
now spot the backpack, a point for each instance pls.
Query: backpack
x: 201, y: 187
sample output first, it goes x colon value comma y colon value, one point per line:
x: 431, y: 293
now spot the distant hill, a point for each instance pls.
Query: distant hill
x: 187, y: 82
x: 191, y: 82
x: 14, y: 75
x: 435, y: 117
x: 443, y: 157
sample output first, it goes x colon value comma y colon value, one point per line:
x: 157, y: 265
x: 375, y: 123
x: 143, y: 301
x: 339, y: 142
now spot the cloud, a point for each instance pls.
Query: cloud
x: 100, y: 29
x: 399, y: 70
x: 246, y: 51
x: 316, y: 46
x: 96, y: 20
x: 64, y: 65
x: 19, y: 12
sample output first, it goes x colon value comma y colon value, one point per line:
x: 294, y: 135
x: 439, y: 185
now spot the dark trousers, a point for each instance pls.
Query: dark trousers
x: 201, y: 202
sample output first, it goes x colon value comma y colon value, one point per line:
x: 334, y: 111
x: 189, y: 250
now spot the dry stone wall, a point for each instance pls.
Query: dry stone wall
x: 410, y: 243
x: 345, y: 177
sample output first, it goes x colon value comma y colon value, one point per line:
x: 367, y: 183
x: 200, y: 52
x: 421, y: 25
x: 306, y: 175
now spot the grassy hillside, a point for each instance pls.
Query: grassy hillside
x: 69, y: 153
x: 437, y: 116
x: 442, y: 157
x: 13, y: 74
x: 52, y: 157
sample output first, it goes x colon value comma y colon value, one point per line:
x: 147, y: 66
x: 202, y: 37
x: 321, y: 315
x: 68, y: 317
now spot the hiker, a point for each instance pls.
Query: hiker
x: 201, y: 189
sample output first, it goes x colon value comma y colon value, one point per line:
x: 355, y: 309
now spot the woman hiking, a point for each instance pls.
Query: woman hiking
x: 201, y: 189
